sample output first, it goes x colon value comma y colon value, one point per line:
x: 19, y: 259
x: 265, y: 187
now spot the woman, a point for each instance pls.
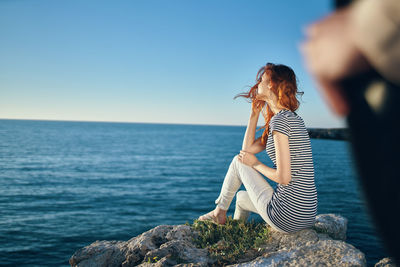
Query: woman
x: 293, y: 205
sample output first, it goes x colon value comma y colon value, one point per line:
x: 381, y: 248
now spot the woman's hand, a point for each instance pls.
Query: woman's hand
x: 247, y: 158
x: 257, y: 105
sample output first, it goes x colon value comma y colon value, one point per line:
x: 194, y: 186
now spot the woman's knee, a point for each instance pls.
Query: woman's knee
x: 241, y: 195
x: 235, y: 159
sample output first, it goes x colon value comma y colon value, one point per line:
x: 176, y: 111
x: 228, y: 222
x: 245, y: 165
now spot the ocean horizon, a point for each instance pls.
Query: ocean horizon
x: 168, y: 123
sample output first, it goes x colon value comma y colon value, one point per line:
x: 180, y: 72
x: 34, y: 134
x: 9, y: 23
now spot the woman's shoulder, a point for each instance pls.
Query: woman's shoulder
x: 286, y: 115
x: 279, y: 117
x: 287, y: 118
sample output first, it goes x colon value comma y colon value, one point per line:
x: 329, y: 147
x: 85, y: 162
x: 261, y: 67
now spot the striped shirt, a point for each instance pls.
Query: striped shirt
x: 293, y: 206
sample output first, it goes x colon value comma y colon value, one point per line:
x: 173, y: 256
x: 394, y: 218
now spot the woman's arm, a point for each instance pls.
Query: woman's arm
x: 249, y: 144
x: 282, y: 174
x: 249, y: 136
x: 256, y: 147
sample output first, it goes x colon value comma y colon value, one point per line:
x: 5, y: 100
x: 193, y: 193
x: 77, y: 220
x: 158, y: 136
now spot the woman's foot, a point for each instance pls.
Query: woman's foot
x: 217, y: 215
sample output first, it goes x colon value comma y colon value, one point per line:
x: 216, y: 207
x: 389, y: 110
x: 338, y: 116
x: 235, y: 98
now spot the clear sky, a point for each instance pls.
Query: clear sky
x: 151, y: 61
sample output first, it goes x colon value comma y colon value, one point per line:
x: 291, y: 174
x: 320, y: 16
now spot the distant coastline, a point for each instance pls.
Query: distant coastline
x: 317, y: 133
x: 329, y: 133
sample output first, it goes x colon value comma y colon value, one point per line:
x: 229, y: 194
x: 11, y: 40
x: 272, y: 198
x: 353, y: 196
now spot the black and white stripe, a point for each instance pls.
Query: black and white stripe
x: 294, y: 206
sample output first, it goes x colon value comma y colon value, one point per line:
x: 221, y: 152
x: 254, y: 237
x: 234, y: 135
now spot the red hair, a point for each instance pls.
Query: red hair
x: 284, y: 86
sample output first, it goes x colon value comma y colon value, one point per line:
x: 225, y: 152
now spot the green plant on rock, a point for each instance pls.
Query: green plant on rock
x: 152, y: 260
x: 229, y: 242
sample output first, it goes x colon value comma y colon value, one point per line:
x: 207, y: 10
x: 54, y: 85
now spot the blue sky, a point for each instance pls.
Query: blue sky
x: 150, y: 61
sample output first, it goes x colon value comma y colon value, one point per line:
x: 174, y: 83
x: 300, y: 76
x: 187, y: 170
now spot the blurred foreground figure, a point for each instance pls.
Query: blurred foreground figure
x: 354, y: 57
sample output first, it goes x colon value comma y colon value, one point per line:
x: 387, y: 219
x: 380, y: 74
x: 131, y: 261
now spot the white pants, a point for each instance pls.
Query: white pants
x: 255, y: 198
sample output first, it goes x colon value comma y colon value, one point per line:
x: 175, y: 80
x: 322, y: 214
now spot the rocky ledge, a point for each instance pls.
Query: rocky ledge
x: 171, y: 245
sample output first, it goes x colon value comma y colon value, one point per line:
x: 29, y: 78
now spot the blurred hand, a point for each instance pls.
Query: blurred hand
x: 331, y: 55
x: 247, y: 158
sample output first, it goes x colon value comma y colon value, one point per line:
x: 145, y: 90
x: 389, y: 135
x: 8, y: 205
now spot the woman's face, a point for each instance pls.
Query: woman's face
x: 264, y: 89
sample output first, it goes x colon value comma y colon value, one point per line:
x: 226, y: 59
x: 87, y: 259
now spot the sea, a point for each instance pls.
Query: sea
x: 66, y: 184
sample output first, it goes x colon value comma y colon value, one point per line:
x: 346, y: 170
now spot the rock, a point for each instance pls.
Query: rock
x: 171, y: 245
x: 331, y: 224
x: 99, y: 253
x: 305, y: 248
x: 386, y: 262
